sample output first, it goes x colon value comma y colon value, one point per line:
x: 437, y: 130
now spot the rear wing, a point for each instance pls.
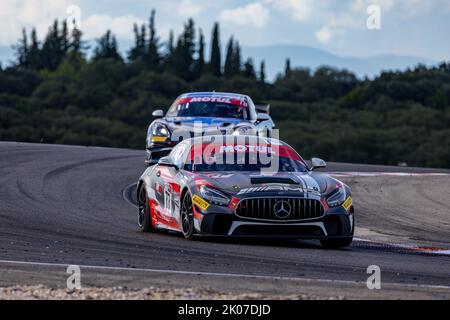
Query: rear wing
x: 263, y: 108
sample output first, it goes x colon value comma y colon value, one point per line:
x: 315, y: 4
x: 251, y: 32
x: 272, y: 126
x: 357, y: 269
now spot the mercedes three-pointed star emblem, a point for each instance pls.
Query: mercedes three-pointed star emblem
x: 282, y: 209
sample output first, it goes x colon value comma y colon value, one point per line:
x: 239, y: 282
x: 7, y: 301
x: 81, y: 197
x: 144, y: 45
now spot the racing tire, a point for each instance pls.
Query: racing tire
x: 187, y: 216
x: 336, y: 243
x: 144, y: 216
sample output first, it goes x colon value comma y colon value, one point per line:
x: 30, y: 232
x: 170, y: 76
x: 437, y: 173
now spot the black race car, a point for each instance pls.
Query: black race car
x: 244, y: 186
x: 194, y: 114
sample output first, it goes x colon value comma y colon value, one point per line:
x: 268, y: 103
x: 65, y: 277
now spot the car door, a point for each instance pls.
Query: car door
x: 167, y: 189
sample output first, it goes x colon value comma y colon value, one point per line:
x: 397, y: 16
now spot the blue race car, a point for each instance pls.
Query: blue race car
x: 205, y: 113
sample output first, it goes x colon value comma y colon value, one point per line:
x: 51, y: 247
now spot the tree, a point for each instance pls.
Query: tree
x: 237, y: 58
x: 153, y: 56
x: 215, y: 60
x: 21, y: 49
x: 262, y: 72
x: 107, y: 48
x: 249, y: 69
x: 184, y: 52
x: 200, y: 63
x: 287, y: 68
x: 138, y: 51
x: 228, y: 69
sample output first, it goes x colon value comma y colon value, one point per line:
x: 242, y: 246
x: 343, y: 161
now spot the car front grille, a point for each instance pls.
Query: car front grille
x: 279, y: 209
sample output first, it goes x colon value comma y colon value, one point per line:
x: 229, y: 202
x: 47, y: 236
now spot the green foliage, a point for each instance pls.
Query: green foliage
x: 54, y: 95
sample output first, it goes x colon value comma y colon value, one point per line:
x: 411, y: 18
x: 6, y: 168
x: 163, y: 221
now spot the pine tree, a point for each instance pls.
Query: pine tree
x: 215, y: 60
x: 184, y: 61
x: 287, y: 68
x: 35, y: 52
x: 153, y: 57
x: 262, y: 72
x: 22, y: 52
x: 169, y: 56
x: 106, y: 47
x: 237, y: 64
x: 200, y: 63
x: 249, y: 69
x: 228, y: 69
x: 138, y: 52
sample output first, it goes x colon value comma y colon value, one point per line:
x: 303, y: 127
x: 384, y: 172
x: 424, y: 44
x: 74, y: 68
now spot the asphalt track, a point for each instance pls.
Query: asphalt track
x: 62, y: 205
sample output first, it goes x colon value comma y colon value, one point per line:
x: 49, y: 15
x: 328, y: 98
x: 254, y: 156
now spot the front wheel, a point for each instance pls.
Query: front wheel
x: 336, y: 243
x: 187, y: 217
x: 144, y: 216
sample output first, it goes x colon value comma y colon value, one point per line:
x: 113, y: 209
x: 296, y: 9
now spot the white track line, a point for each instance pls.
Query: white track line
x: 216, y: 274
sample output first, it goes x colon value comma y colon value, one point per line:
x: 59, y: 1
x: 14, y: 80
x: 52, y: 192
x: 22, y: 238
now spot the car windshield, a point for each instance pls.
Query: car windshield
x: 251, y: 162
x: 208, y: 109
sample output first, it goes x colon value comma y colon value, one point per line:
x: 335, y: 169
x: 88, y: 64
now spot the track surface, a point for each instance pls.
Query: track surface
x: 65, y: 205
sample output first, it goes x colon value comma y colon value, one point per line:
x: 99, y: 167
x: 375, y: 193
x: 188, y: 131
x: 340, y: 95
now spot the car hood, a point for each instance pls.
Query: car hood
x: 244, y: 184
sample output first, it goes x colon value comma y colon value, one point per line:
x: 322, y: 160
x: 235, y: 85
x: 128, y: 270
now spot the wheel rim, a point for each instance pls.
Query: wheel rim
x: 142, y: 205
x: 187, y: 217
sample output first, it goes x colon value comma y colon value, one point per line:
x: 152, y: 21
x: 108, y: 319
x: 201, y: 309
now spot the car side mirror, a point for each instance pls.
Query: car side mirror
x: 167, y: 162
x: 317, y: 163
x: 260, y: 117
x: 158, y: 113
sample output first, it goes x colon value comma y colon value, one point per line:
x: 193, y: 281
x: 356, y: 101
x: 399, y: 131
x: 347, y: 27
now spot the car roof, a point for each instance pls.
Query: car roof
x: 213, y: 93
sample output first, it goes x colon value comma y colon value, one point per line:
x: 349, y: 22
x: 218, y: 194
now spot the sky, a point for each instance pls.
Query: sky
x: 403, y: 27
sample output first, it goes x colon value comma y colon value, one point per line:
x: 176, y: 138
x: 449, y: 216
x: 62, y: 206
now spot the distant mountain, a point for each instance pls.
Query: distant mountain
x: 304, y: 56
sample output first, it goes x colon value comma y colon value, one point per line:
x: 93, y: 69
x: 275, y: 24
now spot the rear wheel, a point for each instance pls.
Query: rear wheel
x: 336, y: 243
x: 144, y: 216
x: 187, y: 217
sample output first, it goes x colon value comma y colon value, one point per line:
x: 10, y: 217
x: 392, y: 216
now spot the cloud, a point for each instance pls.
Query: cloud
x: 254, y: 14
x: 96, y: 25
x: 17, y: 14
x: 323, y: 35
x: 301, y: 10
x: 187, y: 8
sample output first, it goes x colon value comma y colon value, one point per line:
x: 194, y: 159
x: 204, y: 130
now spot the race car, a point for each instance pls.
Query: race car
x: 244, y: 186
x: 194, y: 114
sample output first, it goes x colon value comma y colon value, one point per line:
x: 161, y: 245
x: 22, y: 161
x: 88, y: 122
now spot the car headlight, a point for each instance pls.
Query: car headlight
x: 337, y: 197
x: 160, y: 133
x: 244, y: 130
x: 214, y: 196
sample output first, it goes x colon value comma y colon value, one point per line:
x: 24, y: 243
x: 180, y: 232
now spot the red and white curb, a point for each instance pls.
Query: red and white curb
x: 393, y: 174
x: 409, y: 247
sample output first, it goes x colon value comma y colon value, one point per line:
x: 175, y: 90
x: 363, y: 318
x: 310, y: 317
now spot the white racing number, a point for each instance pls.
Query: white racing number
x: 168, y: 197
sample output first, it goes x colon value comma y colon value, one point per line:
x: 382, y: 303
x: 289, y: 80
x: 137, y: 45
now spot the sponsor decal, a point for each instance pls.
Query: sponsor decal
x: 221, y: 176
x: 218, y: 99
x: 347, y: 203
x: 242, y: 148
x: 199, y: 202
x: 276, y: 188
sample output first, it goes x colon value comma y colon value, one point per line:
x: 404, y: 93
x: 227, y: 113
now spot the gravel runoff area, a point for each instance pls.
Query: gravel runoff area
x: 41, y: 292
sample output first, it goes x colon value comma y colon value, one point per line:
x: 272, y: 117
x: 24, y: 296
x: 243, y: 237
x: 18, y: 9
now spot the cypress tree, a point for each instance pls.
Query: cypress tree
x: 228, y: 69
x: 249, y: 69
x: 215, y: 61
x: 287, y: 68
x: 153, y: 46
x: 262, y: 72
x: 200, y: 64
